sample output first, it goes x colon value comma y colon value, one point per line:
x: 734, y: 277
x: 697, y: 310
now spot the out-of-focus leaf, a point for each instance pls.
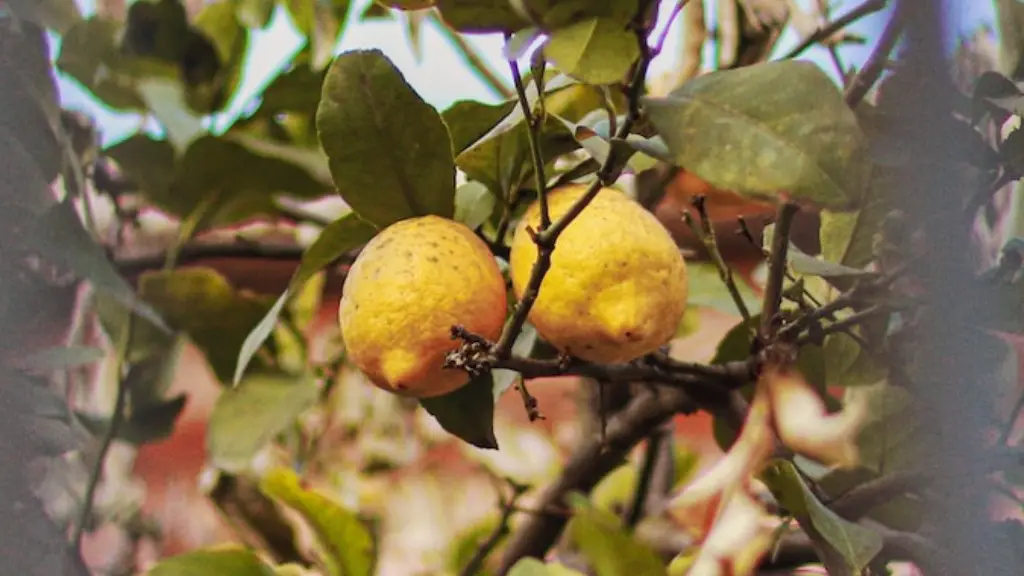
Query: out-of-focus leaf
x: 321, y: 23
x: 480, y: 16
x: 903, y: 512
x: 148, y: 423
x: 408, y: 4
x: 604, y: 542
x: 201, y: 303
x: 61, y: 239
x: 534, y: 567
x: 59, y: 15
x: 523, y: 348
x: 255, y: 13
x: 848, y: 547
x: 221, y: 23
x: 847, y: 238
x: 223, y: 562
x: 30, y: 405
x: 596, y: 50
x: 376, y: 11
x: 339, y: 237
x: 887, y: 440
x: 468, y: 412
x: 247, y: 417
x: 847, y: 364
x: 344, y: 540
x: 473, y: 204
x: 707, y: 289
x: 390, y: 153
x: 61, y: 357
x: 748, y: 130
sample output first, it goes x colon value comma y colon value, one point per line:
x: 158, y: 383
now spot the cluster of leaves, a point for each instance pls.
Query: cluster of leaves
x: 353, y: 126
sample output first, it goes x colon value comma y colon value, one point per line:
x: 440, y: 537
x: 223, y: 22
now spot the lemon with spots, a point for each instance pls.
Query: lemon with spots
x: 408, y: 286
x: 617, y: 286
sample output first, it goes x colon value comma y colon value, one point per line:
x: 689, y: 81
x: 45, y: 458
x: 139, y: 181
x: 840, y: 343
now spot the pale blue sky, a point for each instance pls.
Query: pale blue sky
x: 440, y: 78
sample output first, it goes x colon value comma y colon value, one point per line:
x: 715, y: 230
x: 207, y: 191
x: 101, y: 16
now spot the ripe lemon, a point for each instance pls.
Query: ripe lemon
x: 409, y: 285
x: 617, y: 285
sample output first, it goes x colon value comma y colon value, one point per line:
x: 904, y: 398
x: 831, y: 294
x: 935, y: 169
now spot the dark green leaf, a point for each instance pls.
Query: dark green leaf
x: 480, y: 16
x: 376, y: 11
x: 339, y: 237
x: 344, y: 539
x: 596, y: 50
x: 201, y: 303
x: 467, y: 412
x: 223, y: 562
x: 749, y: 130
x: 247, y: 417
x: 604, y: 542
x: 294, y: 90
x: 847, y: 238
x: 847, y: 364
x: 146, y: 162
x: 903, y: 512
x: 148, y: 423
x: 469, y: 120
x: 847, y: 547
x: 888, y: 441
x: 220, y: 23
x: 60, y: 238
x: 321, y: 23
x: 390, y: 153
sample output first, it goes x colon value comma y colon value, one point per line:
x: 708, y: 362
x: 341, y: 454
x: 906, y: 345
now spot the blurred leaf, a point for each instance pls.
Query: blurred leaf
x: 473, y: 204
x: 847, y: 547
x: 61, y: 357
x: 604, y: 542
x: 221, y: 562
x: 900, y: 513
x: 735, y: 345
x: 59, y: 15
x: 408, y: 4
x: 690, y: 323
x: 167, y: 101
x: 596, y: 50
x: 29, y: 404
x: 707, y: 289
x: 247, y: 417
x: 847, y: 364
x: 468, y: 412
x: 321, y: 22
x: 221, y: 23
x: 462, y: 548
x: 255, y: 13
x: 146, y: 162
x: 314, y: 162
x: 1009, y: 19
x: 533, y: 567
x: 144, y: 424
x: 480, y: 16
x: 201, y: 303
x: 341, y: 236
x: 389, y: 151
x: 759, y: 114
x: 614, y: 492
x: 847, y: 238
x: 343, y: 538
x: 523, y: 348
x: 61, y: 239
x: 376, y: 11
x: 887, y: 439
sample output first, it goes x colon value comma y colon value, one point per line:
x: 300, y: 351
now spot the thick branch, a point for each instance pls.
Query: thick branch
x: 776, y: 270
x: 875, y: 64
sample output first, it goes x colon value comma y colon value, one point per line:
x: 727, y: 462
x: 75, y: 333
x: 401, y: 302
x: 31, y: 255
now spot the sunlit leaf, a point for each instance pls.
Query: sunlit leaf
x: 467, y: 412
x: 247, y: 417
x: 604, y: 542
x: 390, y: 153
x: 222, y: 562
x: 344, y: 540
x: 596, y: 50
x: 473, y: 204
x: 339, y: 237
x: 749, y: 130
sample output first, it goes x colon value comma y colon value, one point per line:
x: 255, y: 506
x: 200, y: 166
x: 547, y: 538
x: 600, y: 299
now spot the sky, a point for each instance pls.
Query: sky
x: 439, y: 77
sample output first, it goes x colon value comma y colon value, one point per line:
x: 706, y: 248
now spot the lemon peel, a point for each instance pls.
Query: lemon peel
x: 617, y: 286
x: 408, y: 286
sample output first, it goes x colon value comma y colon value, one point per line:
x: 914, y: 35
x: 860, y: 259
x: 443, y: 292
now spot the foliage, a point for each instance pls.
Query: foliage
x: 811, y: 391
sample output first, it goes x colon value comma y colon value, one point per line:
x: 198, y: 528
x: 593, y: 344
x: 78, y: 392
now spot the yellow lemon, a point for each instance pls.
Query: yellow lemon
x: 409, y: 285
x: 617, y: 285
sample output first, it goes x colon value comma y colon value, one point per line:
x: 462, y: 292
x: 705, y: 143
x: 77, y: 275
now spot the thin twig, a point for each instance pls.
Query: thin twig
x: 776, y: 270
x: 825, y: 32
x: 659, y: 44
x: 876, y: 62
x: 724, y: 271
x: 508, y: 507
x: 643, y: 482
x: 476, y: 63
x: 116, y: 419
x: 534, y: 124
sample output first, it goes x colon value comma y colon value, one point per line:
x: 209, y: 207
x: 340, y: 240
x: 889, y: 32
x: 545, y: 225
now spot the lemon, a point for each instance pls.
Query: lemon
x: 408, y: 286
x: 617, y: 285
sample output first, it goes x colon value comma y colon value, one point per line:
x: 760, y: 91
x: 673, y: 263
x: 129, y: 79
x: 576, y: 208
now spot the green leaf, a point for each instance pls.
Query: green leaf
x: 749, y: 130
x: 847, y: 238
x: 146, y: 162
x: 533, y: 567
x: 341, y: 236
x: 707, y: 289
x: 596, y: 50
x: 847, y: 547
x: 201, y: 303
x: 321, y: 23
x: 522, y: 348
x: 604, y: 542
x: 469, y: 120
x: 149, y: 423
x: 468, y: 412
x: 390, y: 153
x: 221, y: 23
x: 61, y: 239
x: 889, y: 438
x: 255, y: 13
x: 480, y: 16
x: 473, y: 204
x: 343, y: 539
x: 222, y: 562
x: 60, y: 15
x: 847, y: 364
x: 247, y: 417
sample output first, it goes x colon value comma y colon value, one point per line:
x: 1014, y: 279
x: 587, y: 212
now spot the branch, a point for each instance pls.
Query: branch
x: 590, y: 462
x: 508, y: 507
x: 478, y: 64
x: 652, y: 454
x: 875, y: 64
x: 776, y: 270
x: 821, y: 34
x: 706, y: 235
